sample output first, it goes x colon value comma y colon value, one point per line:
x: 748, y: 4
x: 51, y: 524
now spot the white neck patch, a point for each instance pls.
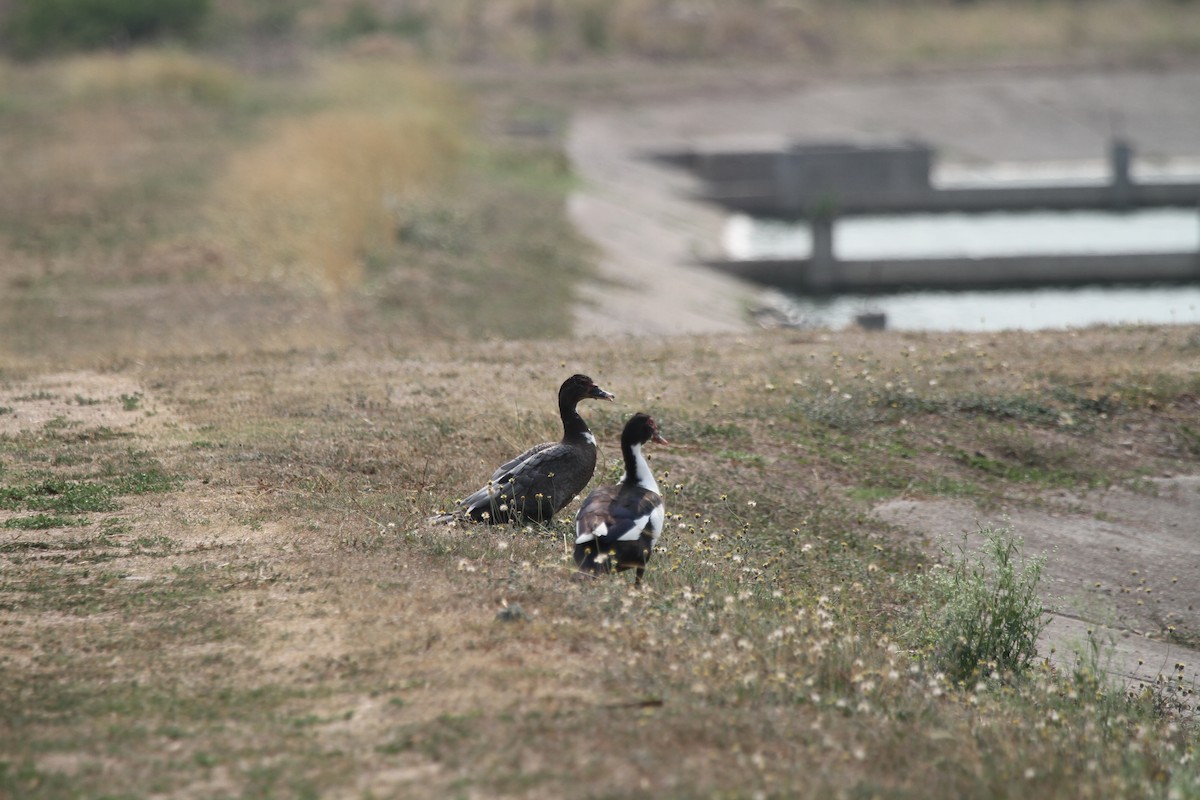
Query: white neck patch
x: 644, y: 477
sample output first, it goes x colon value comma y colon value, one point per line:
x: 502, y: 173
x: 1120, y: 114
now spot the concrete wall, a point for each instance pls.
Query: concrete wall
x: 799, y: 276
x: 761, y: 199
x: 822, y: 177
x: 802, y: 177
x: 799, y: 180
x: 821, y: 181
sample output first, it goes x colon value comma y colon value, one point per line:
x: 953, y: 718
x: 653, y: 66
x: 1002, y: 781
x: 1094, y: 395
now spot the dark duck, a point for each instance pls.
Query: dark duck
x: 536, y: 485
x: 618, y: 526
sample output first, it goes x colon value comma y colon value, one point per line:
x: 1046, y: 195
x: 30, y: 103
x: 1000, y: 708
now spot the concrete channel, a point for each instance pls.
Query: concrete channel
x: 824, y: 181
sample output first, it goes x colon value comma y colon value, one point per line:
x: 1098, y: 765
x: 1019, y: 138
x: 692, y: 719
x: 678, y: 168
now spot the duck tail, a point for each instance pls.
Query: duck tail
x: 469, y: 510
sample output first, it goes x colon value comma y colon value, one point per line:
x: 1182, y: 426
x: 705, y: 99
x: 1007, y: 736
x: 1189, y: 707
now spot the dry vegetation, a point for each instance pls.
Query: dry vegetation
x: 323, y: 193
x: 232, y: 389
x: 286, y: 211
x: 840, y: 33
x: 242, y: 598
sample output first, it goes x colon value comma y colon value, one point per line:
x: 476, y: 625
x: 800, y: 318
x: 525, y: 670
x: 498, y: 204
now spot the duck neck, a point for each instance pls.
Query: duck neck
x: 637, y: 469
x: 573, y: 425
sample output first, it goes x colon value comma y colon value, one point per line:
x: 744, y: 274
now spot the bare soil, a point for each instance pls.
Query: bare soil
x: 1121, y: 564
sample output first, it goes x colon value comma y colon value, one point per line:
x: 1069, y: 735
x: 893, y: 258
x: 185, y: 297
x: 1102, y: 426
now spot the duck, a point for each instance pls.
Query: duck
x: 619, y: 525
x: 538, y: 483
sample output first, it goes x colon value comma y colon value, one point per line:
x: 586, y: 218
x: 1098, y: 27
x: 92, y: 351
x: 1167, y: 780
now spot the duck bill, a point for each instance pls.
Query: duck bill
x: 658, y: 438
x: 599, y: 394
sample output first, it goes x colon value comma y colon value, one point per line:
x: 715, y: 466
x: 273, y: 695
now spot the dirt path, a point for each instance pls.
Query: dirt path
x: 1119, y: 563
x: 1122, y: 564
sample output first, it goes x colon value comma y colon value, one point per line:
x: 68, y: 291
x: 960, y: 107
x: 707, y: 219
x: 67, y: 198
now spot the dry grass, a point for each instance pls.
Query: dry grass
x: 293, y: 209
x: 303, y: 206
x: 283, y: 621
x: 857, y: 34
x: 320, y: 191
x: 216, y: 578
x: 1019, y: 32
x: 101, y: 152
x: 146, y: 75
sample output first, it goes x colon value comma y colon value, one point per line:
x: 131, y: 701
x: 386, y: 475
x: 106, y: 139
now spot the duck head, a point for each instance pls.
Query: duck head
x: 580, y: 387
x: 642, y: 428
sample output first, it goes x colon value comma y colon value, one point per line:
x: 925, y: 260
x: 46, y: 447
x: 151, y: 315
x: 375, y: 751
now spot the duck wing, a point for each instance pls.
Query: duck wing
x: 535, y: 484
x: 550, y: 478
x: 505, y: 470
x: 489, y: 504
x: 613, y: 514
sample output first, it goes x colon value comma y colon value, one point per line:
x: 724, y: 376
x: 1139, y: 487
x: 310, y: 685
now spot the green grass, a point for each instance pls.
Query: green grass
x: 979, y: 613
x: 77, y: 497
x: 55, y: 494
x: 43, y: 522
x: 449, y: 249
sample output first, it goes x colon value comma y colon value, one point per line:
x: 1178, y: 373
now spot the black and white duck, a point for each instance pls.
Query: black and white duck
x: 536, y: 485
x: 618, y: 526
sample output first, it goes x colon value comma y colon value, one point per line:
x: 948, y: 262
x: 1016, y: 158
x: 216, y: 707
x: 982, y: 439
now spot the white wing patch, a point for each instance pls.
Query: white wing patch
x: 592, y: 535
x: 590, y: 438
x: 635, y: 532
x: 656, y: 523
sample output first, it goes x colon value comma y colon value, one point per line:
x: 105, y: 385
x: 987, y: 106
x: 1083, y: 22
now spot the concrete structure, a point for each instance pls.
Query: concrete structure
x: 821, y: 181
x: 804, y: 276
x: 804, y: 179
x: 1100, y: 197
x: 796, y: 181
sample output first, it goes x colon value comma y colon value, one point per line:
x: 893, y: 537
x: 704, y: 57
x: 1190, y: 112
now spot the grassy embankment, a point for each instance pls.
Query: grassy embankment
x: 854, y: 34
x: 217, y: 453
x: 162, y: 203
x: 237, y: 593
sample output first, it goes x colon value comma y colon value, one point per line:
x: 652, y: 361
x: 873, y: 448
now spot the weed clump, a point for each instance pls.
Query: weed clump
x: 980, y: 609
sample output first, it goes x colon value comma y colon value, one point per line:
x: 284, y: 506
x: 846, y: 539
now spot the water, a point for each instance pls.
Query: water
x: 1157, y: 230
x: 1001, y: 233
x: 1032, y: 309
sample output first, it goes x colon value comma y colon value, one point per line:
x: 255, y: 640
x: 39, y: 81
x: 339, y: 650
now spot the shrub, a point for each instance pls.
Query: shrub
x: 980, y: 609
x: 36, y: 27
